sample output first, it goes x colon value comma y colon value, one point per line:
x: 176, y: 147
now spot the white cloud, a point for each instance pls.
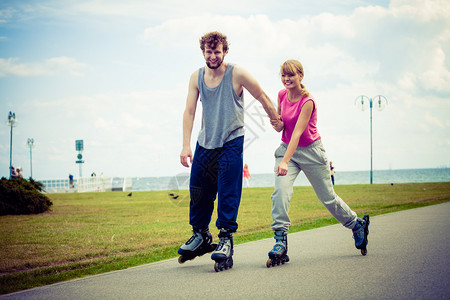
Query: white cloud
x: 435, y: 122
x: 64, y: 64
x: 437, y: 76
x: 6, y: 14
x: 422, y: 10
x: 338, y: 49
x: 50, y: 67
x: 103, y: 124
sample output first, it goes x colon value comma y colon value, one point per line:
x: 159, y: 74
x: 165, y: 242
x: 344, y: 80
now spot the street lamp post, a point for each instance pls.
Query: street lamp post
x: 30, y: 144
x: 380, y: 103
x: 11, y: 122
x: 79, y: 146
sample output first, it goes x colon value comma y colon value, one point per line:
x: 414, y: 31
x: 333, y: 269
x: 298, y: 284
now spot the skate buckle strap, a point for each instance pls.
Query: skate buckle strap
x: 220, y: 247
x: 279, y: 238
x: 194, y: 242
x: 279, y: 247
x: 224, y: 246
x: 225, y: 233
x: 191, y: 239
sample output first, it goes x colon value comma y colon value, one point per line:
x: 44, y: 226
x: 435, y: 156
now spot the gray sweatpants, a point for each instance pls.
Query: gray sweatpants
x: 312, y: 160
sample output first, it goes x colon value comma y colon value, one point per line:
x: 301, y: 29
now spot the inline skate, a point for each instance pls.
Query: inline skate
x: 360, y: 233
x: 224, y: 251
x: 199, y: 244
x: 278, y: 255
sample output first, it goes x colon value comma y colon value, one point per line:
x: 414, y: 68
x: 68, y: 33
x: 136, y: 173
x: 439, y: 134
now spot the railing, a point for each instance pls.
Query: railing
x: 94, y: 184
x: 88, y: 184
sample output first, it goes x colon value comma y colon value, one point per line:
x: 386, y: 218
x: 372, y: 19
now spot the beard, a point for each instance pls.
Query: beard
x: 218, y: 64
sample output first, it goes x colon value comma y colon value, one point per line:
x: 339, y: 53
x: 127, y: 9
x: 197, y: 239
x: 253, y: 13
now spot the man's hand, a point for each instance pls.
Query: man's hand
x: 185, y: 154
x: 277, y: 124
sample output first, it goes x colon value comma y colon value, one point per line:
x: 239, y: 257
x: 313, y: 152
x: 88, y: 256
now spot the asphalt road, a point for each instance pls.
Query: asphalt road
x: 408, y: 258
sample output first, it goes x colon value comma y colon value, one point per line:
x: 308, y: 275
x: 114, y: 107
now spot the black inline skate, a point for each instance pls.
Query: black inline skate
x: 360, y: 233
x: 224, y: 251
x: 278, y: 255
x: 199, y: 244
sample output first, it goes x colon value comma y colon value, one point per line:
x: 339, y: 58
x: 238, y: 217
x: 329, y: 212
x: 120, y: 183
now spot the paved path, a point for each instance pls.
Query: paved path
x: 408, y: 258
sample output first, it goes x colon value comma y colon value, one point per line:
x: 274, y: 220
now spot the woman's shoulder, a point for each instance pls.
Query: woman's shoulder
x: 306, y: 98
x: 282, y: 94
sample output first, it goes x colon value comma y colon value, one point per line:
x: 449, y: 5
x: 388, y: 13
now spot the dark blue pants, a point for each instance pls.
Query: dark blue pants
x: 216, y: 172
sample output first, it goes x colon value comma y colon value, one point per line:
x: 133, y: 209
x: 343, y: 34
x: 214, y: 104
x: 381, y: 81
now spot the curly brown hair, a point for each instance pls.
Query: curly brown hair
x: 213, y: 39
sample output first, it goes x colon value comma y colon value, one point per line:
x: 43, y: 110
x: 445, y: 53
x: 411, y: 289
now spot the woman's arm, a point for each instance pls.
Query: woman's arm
x: 300, y: 126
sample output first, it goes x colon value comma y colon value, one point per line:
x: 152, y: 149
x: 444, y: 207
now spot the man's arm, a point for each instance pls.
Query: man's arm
x: 244, y: 79
x: 188, y: 119
x: 278, y: 125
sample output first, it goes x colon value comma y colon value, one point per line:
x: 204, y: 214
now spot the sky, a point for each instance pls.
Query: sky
x: 115, y: 75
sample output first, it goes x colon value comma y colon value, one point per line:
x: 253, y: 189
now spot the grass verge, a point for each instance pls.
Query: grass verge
x: 92, y: 233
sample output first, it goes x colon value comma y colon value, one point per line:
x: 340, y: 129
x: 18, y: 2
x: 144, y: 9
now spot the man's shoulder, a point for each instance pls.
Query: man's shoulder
x: 194, y: 75
x: 236, y: 68
x: 240, y: 73
x: 197, y: 71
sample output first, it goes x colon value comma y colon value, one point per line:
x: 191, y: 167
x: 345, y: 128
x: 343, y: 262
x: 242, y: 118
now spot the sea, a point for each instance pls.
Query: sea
x: 181, y: 181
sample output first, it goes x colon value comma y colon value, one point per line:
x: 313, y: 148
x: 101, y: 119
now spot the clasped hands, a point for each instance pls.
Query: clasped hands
x: 277, y: 124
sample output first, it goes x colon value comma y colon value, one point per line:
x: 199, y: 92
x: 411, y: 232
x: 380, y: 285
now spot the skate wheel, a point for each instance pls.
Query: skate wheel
x: 217, y: 267
x: 181, y: 260
x: 269, y: 263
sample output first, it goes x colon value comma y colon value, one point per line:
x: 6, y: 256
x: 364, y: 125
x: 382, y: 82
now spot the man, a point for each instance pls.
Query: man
x: 71, y: 181
x: 12, y: 173
x: 217, y: 163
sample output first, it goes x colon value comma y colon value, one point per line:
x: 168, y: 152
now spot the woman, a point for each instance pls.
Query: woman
x: 246, y: 175
x: 301, y: 149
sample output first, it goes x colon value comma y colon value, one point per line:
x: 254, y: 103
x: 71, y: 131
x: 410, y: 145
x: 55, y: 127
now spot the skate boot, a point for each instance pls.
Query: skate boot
x: 199, y: 244
x: 278, y: 255
x: 360, y: 233
x: 224, y: 251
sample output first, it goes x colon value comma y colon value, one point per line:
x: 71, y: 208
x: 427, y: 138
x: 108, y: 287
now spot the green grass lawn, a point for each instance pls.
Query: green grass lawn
x: 92, y: 233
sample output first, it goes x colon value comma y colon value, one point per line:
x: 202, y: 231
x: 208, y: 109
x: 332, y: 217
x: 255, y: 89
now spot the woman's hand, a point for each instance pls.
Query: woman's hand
x: 282, y: 169
x: 277, y: 124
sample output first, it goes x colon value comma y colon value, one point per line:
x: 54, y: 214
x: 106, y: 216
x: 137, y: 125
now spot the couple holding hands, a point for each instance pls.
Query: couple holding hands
x: 216, y: 165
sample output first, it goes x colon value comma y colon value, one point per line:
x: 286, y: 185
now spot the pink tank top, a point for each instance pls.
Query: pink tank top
x: 290, y: 113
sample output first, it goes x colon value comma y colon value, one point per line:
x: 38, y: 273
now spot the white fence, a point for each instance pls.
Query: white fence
x: 94, y: 184
x: 88, y: 184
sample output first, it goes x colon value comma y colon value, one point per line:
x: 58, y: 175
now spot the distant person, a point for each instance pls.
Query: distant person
x: 301, y: 149
x: 12, y: 172
x: 332, y: 172
x: 102, y: 178
x: 246, y: 174
x: 19, y: 172
x: 71, y: 180
x: 217, y: 163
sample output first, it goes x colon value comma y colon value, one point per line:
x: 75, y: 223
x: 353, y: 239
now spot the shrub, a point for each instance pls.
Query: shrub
x: 20, y: 197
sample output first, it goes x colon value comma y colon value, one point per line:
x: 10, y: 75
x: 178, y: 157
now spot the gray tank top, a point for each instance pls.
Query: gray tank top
x: 223, y: 111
